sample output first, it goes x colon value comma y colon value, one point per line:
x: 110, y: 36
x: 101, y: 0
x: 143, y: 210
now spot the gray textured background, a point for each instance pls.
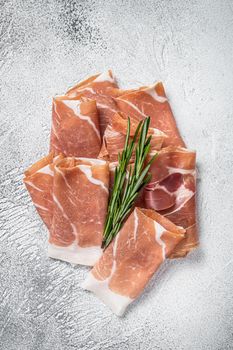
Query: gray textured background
x: 45, y: 47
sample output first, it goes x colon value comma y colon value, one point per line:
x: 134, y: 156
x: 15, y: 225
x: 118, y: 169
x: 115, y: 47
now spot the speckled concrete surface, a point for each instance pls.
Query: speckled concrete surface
x: 45, y: 47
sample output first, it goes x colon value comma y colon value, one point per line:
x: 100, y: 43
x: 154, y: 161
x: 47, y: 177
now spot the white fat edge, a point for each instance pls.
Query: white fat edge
x: 112, y: 166
x: 104, y: 106
x: 158, y: 132
x: 75, y: 232
x: 88, y: 173
x: 104, y: 77
x: 176, y: 149
x: 173, y: 170
x: 56, y: 158
x: 153, y: 152
x: 158, y: 187
x: 117, y: 303
x: 133, y: 106
x: 54, y: 130
x: 40, y: 206
x: 114, y: 251
x: 87, y: 89
x: 184, y: 150
x: 55, y: 109
x: 114, y: 248
x: 33, y: 186
x: 63, y: 176
x: 75, y: 106
x: 183, y: 195
x: 159, y: 230
x: 77, y: 88
x: 57, y: 120
x: 93, y: 161
x: 110, y: 132
x: 80, y: 89
x: 75, y: 254
x: 135, y: 224
x: 71, y: 94
x: 150, y: 90
x: 46, y: 170
x: 56, y: 201
x: 163, y: 188
x: 71, y: 201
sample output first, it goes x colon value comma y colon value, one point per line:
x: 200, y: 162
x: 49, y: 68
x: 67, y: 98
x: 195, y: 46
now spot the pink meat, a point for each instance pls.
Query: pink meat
x: 103, y: 89
x: 151, y: 101
x: 172, y: 192
x: 75, y: 128
x: 133, y: 257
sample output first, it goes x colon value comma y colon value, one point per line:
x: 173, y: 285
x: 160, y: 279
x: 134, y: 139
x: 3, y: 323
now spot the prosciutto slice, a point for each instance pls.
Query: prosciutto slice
x: 132, y: 258
x: 115, y: 135
x: 39, y: 183
x: 172, y: 192
x: 75, y: 128
x: 80, y: 196
x: 103, y: 89
x: 71, y: 196
x: 151, y: 101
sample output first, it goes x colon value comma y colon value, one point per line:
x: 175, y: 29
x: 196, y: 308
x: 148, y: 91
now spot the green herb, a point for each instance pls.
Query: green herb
x: 128, y: 183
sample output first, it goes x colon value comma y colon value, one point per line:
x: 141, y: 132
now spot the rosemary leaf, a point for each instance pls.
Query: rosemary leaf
x: 129, y: 179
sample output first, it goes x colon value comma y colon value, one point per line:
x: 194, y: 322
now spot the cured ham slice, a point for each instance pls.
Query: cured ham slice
x: 75, y: 128
x: 132, y: 258
x: 80, y: 197
x: 39, y: 183
x: 70, y: 187
x: 71, y: 196
x: 151, y: 101
x: 103, y: 89
x: 172, y: 192
x: 115, y: 135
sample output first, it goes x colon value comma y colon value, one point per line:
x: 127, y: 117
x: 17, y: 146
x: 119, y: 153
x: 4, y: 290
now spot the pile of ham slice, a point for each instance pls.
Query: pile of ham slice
x: 70, y: 187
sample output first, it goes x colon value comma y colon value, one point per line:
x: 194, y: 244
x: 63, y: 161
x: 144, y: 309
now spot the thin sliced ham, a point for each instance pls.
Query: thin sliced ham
x: 103, y: 89
x: 80, y: 197
x: 172, y: 192
x: 39, y: 183
x: 75, y: 128
x: 152, y: 101
x: 115, y: 135
x: 70, y: 187
x: 130, y: 261
x: 71, y: 196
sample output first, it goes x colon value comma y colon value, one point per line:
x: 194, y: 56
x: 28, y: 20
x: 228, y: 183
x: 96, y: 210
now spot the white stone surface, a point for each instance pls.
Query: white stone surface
x: 46, y: 46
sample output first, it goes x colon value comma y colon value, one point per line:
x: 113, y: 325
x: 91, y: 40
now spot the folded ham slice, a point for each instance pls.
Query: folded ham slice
x: 151, y: 101
x: 71, y: 196
x: 75, y: 128
x: 39, y: 183
x: 80, y: 196
x: 115, y: 135
x: 103, y: 89
x: 172, y: 192
x: 130, y: 261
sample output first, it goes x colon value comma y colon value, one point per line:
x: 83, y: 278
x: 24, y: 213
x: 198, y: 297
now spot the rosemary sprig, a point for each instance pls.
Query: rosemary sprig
x: 127, y: 184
